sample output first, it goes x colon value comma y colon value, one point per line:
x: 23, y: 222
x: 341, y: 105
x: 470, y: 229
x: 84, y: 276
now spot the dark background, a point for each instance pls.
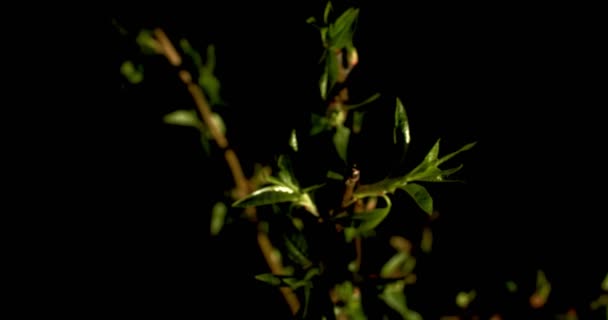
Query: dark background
x: 519, y: 80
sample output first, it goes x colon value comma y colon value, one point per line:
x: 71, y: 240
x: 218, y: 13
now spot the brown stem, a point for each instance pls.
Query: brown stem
x: 240, y: 181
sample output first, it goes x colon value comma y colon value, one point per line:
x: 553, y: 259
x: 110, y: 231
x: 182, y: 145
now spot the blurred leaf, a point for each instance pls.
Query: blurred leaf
x: 192, y: 53
x: 133, y: 74
x: 211, y: 85
x: 543, y: 289
x: 393, y: 266
x: 286, y: 174
x: 313, y: 187
x: 323, y: 83
x: 402, y: 126
x: 334, y: 175
x: 357, y: 121
x: 365, y: 102
x: 341, y: 31
x: 218, y: 216
x: 296, y: 252
x: 306, y: 202
x: 464, y: 299
x: 394, y: 297
x: 187, y: 118
x: 319, y: 124
x: 371, y: 219
x: 327, y: 11
x: 311, y: 20
x: 293, y: 140
x: 511, y: 286
x: 605, y: 283
x: 207, y: 79
x: 332, y: 70
x: 421, y: 196
x: 341, y: 141
x: 268, y: 195
x: 218, y: 122
x: 426, y: 244
x: 269, y: 278
x: 147, y: 43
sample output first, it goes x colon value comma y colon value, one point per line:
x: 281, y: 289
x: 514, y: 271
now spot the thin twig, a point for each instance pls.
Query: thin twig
x: 240, y: 181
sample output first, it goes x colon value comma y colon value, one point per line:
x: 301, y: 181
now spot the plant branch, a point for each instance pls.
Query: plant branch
x: 242, y: 184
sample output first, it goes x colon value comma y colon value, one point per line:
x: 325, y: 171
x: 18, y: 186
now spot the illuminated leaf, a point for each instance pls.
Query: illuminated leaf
x: 268, y: 195
x: 402, y: 126
x: 428, y: 169
x: 293, y: 140
x: 286, y: 174
x: 421, y: 196
x: 187, y: 118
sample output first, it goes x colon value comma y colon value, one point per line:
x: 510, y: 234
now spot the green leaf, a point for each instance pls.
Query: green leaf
x: 332, y: 69
x: 296, y: 253
x: 433, y: 153
x: 286, y: 174
x: 394, y: 264
x: 334, y: 175
x: 147, y: 43
x: 323, y: 83
x: 293, y: 140
x: 218, y: 216
x: 365, y: 102
x: 605, y: 283
x: 451, y: 155
x: 394, y: 297
x: 463, y: 299
x: 341, y: 137
x: 357, y: 121
x: 192, y: 53
x: 371, y: 219
x: 268, y: 195
x: 207, y: 79
x: 269, y: 278
x: 428, y: 169
x: 341, y: 31
x: 319, y: 124
x: 421, y: 196
x: 327, y: 11
x: 511, y: 286
x: 402, y: 126
x: 133, y: 74
x: 187, y: 118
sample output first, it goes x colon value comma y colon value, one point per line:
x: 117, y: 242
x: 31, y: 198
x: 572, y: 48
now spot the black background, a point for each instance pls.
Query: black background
x: 519, y: 80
